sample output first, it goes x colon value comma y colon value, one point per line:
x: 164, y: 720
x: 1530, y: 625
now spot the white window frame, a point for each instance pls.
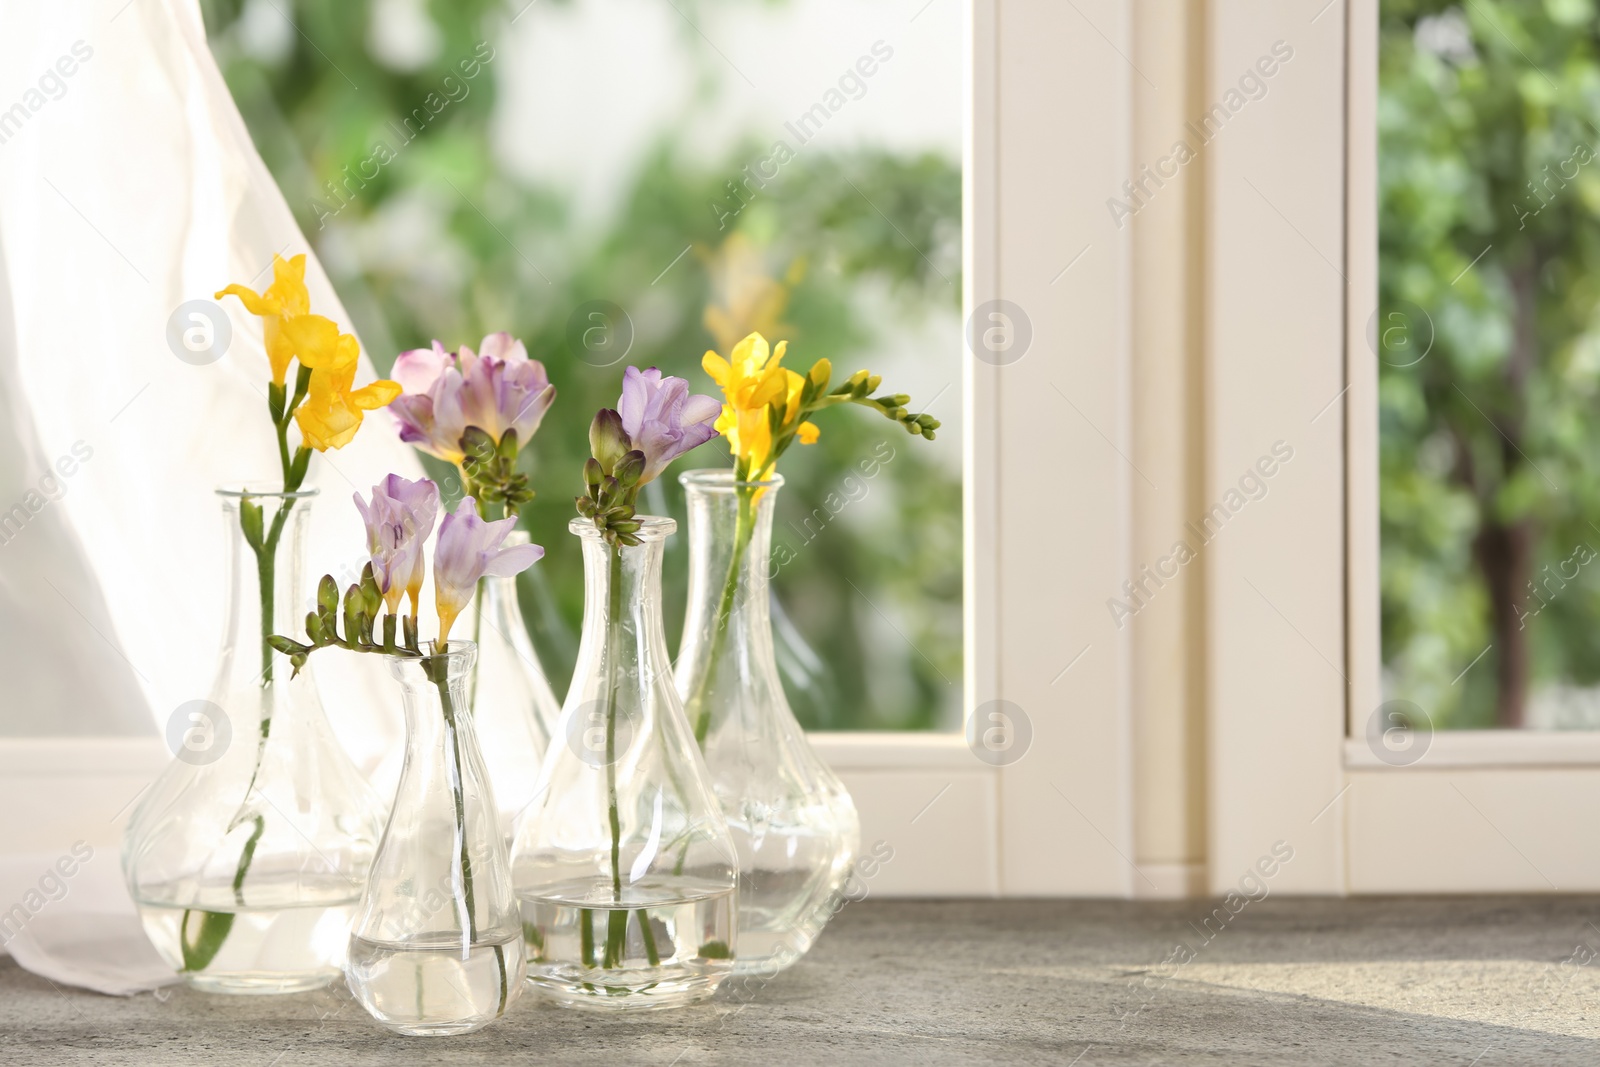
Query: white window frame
x: 1047, y: 490
x: 1480, y: 811
x: 1043, y: 530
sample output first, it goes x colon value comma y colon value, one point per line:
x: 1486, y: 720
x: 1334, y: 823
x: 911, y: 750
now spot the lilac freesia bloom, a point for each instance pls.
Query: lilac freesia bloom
x: 495, y: 389
x: 399, y: 520
x: 470, y: 548
x: 662, y: 419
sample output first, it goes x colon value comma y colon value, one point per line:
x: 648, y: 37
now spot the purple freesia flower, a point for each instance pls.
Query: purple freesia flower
x: 495, y: 389
x: 504, y: 389
x: 399, y: 520
x: 470, y: 548
x: 662, y: 419
x: 428, y: 409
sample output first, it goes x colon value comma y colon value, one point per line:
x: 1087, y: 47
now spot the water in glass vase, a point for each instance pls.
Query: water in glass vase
x: 280, y: 941
x: 436, y: 946
x: 790, y: 818
x: 247, y: 855
x: 430, y: 988
x: 624, y: 871
x: 644, y: 954
x: 782, y: 909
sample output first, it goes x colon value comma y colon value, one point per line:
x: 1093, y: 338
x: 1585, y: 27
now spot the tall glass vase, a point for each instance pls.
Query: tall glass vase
x: 623, y: 864
x: 792, y: 820
x: 247, y: 855
x: 436, y: 948
x: 513, y: 706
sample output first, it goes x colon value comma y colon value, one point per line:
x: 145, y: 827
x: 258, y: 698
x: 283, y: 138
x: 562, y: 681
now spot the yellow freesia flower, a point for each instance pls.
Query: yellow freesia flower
x: 317, y: 342
x: 280, y: 304
x: 748, y: 299
x: 332, y: 412
x: 752, y: 381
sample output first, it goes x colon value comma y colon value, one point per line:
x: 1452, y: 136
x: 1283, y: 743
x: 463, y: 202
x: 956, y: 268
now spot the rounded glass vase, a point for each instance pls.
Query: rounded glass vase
x: 247, y: 855
x: 513, y: 706
x: 623, y: 866
x: 436, y: 948
x: 792, y: 821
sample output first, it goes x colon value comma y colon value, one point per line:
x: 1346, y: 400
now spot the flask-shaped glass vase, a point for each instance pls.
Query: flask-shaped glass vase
x: 792, y: 821
x: 623, y: 865
x: 513, y: 707
x: 436, y: 947
x: 247, y: 855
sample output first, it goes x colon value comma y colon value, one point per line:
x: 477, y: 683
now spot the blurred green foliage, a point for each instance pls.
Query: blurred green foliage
x: 434, y: 238
x: 1488, y: 336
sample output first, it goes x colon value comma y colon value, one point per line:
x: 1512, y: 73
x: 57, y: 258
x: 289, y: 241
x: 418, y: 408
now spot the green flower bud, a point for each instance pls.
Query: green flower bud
x: 629, y: 469
x: 327, y: 595
x: 608, y: 441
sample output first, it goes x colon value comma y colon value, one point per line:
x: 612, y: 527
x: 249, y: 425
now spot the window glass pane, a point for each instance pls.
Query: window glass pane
x: 1488, y: 337
x: 661, y: 179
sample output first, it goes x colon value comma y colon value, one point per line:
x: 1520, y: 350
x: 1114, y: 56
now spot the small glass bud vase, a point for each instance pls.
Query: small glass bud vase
x: 792, y: 820
x: 246, y: 857
x: 623, y: 864
x: 436, y: 947
x: 513, y: 706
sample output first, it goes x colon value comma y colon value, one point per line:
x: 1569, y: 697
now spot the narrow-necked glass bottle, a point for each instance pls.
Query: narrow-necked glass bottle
x: 436, y: 947
x: 623, y: 864
x: 792, y: 820
x: 513, y: 707
x: 247, y: 855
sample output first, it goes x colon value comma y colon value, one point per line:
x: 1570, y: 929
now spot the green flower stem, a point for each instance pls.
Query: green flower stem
x: 437, y: 671
x: 215, y: 926
x: 744, y: 529
x: 651, y: 953
x: 586, y: 937
x: 616, y: 932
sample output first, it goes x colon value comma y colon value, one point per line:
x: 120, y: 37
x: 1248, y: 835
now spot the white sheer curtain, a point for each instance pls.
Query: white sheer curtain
x: 129, y: 186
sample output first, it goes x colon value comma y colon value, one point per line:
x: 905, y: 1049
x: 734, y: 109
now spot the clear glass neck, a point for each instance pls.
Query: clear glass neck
x: 443, y: 830
x: 622, y: 621
x: 727, y: 634
x: 266, y: 533
x: 435, y: 689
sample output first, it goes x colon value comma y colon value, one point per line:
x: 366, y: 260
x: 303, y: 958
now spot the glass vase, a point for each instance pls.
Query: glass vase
x: 792, y: 821
x: 513, y: 707
x: 623, y: 865
x: 247, y: 855
x: 436, y: 947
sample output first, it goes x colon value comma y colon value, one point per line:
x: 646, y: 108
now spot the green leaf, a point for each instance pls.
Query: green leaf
x: 201, y: 946
x: 716, y: 950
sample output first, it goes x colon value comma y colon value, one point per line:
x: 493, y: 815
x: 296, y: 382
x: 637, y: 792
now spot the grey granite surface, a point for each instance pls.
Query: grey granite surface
x: 1469, y: 981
